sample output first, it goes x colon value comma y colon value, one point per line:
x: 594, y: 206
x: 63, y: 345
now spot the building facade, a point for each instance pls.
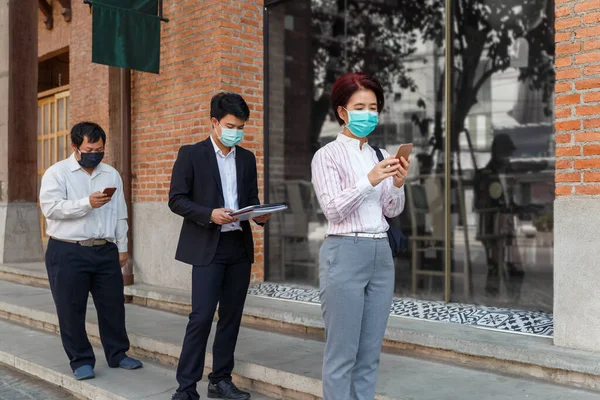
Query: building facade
x: 502, y: 194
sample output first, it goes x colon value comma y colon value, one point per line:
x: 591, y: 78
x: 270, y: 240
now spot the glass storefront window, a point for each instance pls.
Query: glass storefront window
x: 502, y: 76
x: 503, y: 140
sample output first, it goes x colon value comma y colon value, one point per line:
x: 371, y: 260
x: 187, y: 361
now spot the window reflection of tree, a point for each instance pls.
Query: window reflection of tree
x: 378, y: 36
x: 371, y: 36
x: 385, y: 37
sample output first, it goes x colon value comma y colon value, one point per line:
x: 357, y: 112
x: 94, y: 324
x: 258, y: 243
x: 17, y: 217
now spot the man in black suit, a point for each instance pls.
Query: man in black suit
x: 210, y: 179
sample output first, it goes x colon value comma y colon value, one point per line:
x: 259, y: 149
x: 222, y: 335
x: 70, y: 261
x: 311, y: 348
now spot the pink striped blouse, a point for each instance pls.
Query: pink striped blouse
x: 348, y: 200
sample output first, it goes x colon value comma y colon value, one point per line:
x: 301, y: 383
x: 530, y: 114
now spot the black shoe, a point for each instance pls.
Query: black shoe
x: 226, y: 390
x: 181, y: 396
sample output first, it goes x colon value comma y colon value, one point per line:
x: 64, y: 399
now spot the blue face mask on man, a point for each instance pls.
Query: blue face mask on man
x: 362, y: 122
x: 231, y: 137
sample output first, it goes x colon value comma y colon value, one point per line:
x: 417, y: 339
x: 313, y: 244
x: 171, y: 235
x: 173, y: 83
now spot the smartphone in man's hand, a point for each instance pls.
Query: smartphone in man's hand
x: 110, y: 191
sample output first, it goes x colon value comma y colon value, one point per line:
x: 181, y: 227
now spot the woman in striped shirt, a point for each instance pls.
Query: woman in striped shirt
x: 356, y: 192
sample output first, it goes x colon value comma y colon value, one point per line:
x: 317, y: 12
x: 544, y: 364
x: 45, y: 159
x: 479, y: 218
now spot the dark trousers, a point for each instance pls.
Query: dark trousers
x: 225, y: 281
x: 74, y: 271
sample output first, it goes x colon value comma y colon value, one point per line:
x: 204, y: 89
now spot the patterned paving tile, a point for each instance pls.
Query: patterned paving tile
x: 504, y: 319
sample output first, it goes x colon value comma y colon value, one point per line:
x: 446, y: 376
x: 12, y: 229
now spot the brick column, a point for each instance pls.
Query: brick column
x: 20, y: 239
x: 210, y: 46
x: 577, y: 207
x: 240, y: 52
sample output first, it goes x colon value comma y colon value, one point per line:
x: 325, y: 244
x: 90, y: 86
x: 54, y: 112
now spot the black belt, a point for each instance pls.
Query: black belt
x: 232, y: 233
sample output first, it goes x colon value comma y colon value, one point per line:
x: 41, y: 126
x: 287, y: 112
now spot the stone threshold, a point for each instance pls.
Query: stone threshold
x: 178, y: 301
x: 494, y: 318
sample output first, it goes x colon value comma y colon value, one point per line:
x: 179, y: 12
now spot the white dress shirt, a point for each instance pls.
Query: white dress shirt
x: 349, y: 201
x: 228, y: 172
x: 64, y: 200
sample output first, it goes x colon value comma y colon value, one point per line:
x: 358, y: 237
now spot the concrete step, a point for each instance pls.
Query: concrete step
x: 40, y: 354
x: 32, y: 274
x: 523, y: 355
x: 492, y: 350
x: 287, y: 367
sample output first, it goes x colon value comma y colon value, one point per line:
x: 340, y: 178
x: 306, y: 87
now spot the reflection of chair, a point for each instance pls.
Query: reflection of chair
x: 293, y: 225
x: 426, y: 204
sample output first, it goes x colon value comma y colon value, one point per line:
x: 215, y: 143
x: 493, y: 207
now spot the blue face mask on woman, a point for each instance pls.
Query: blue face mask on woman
x: 362, y: 122
x: 231, y: 137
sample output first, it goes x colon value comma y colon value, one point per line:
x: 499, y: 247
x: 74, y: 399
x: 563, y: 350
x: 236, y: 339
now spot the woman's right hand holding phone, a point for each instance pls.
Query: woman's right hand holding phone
x: 383, y: 170
x: 402, y: 173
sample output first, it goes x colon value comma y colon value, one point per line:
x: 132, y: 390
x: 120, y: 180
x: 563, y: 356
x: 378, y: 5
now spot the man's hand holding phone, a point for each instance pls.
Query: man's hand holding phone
x: 99, y: 199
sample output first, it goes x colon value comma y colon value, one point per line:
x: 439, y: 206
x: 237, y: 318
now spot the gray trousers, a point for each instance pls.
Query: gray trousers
x: 357, y: 284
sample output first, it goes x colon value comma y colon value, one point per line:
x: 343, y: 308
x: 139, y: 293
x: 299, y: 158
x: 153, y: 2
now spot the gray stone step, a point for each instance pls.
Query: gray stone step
x: 40, y: 354
x: 33, y: 274
x: 523, y: 355
x: 289, y: 367
x: 520, y: 354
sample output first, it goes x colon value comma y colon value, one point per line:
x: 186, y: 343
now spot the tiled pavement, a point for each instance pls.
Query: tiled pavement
x: 15, y: 385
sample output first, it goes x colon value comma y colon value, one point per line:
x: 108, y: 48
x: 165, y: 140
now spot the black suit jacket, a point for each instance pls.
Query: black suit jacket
x: 196, y: 190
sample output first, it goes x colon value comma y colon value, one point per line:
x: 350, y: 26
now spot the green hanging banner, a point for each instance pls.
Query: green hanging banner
x: 126, y: 34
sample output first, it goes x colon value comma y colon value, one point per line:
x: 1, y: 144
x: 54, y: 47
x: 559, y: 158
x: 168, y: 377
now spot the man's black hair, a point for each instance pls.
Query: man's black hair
x: 91, y: 130
x: 223, y: 104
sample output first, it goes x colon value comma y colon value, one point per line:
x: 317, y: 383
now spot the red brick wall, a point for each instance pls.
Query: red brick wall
x: 577, y: 97
x: 209, y: 46
x: 89, y: 82
x: 51, y: 41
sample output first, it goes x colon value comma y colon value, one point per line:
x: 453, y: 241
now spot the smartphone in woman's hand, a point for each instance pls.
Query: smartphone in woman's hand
x: 404, y: 151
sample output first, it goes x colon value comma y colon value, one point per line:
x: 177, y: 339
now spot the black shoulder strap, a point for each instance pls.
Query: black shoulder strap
x: 378, y: 152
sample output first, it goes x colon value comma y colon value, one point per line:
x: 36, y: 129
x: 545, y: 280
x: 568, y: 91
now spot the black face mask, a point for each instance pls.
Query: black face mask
x: 90, y: 160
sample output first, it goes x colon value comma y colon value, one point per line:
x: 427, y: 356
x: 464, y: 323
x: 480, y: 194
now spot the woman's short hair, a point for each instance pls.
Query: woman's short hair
x: 348, y: 84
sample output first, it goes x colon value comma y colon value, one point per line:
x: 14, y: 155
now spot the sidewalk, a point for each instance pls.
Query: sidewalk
x: 40, y: 354
x: 15, y: 385
x: 287, y: 365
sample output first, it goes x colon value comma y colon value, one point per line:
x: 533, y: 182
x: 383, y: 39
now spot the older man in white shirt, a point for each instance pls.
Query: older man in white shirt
x: 83, y: 202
